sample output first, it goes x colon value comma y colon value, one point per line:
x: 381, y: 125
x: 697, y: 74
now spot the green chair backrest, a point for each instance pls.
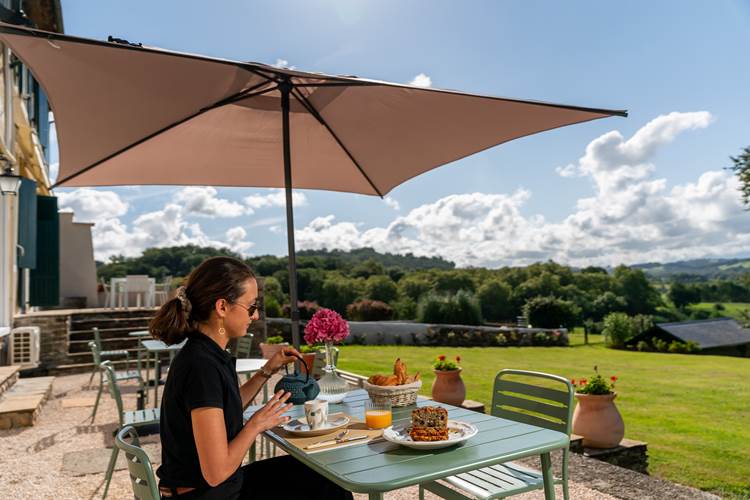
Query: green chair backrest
x: 533, y: 398
x: 320, y: 362
x: 95, y: 353
x: 114, y: 389
x: 244, y: 346
x: 97, y: 338
x: 142, y: 476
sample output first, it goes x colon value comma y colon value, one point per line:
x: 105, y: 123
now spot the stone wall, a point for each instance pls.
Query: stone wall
x: 54, y: 327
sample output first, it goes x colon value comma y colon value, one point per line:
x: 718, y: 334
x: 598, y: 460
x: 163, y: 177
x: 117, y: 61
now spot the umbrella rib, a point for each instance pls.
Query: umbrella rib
x: 311, y: 109
x: 227, y: 100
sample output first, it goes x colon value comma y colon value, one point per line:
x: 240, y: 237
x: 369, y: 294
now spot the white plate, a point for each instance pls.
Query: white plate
x: 299, y: 427
x: 458, y: 432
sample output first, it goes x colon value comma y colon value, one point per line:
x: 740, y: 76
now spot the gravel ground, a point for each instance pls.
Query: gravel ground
x: 32, y: 457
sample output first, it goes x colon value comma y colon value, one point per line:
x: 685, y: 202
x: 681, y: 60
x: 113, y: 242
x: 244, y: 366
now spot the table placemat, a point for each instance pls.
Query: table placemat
x: 356, y: 428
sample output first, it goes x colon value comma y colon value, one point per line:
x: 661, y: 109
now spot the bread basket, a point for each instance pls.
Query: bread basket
x: 399, y: 395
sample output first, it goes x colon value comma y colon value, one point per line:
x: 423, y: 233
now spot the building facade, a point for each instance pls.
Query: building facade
x: 29, y: 220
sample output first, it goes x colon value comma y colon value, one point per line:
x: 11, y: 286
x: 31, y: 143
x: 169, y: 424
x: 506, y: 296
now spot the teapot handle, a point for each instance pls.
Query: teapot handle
x: 302, y: 363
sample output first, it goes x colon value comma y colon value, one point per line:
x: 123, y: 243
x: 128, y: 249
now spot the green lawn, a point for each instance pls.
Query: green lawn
x: 731, y: 309
x: 692, y: 410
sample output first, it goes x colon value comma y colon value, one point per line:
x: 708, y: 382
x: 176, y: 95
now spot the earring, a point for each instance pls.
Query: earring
x: 222, y: 331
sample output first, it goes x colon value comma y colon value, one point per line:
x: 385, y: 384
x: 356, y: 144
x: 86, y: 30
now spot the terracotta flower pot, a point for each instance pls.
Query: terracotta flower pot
x: 309, y: 358
x: 449, y: 387
x: 596, y: 419
x: 269, y: 350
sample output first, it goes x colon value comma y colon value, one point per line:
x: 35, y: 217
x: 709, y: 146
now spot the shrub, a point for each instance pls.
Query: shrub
x: 306, y: 309
x: 495, y: 299
x: 677, y: 347
x: 414, y: 287
x: 454, y: 281
x: 273, y: 309
x: 551, y: 312
x: 339, y: 291
x: 688, y: 347
x: 719, y: 307
x: 643, y: 346
x: 369, y: 310
x: 460, y: 309
x: 404, y: 308
x: 500, y: 340
x: 540, y: 338
x: 660, y: 345
x: 272, y: 289
x: 381, y: 288
x: 618, y: 329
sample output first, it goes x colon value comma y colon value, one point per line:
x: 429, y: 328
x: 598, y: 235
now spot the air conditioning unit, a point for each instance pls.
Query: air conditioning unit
x: 24, y: 346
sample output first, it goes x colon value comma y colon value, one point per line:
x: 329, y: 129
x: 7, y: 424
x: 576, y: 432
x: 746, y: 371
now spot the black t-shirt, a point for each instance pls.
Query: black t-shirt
x: 201, y: 375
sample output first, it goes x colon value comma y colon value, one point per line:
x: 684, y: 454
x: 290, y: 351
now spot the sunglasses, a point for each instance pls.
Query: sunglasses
x: 251, y: 309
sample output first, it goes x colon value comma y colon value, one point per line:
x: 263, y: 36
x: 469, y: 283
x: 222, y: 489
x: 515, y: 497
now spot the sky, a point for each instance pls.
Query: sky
x: 649, y: 187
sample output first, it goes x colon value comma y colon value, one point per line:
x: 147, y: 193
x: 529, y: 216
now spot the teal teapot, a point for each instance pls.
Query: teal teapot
x: 302, y: 387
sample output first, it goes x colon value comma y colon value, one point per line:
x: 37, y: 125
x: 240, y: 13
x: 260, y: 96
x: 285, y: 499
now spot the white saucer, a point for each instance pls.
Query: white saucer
x: 299, y: 427
x: 458, y: 432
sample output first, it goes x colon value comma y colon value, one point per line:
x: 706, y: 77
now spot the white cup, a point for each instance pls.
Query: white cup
x: 316, y: 413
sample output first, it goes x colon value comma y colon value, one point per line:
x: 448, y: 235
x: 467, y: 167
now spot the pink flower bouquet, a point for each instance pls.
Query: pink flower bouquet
x: 326, y: 325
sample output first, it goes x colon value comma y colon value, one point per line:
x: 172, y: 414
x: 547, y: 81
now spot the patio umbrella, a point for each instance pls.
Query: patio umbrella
x: 132, y: 115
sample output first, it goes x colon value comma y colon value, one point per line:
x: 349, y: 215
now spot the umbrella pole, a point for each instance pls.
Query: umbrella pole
x: 286, y: 87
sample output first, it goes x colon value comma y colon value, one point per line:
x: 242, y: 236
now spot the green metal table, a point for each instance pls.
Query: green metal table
x: 381, y: 466
x: 154, y: 348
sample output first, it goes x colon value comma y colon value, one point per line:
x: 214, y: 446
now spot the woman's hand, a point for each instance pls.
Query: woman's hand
x: 282, y: 357
x: 272, y: 412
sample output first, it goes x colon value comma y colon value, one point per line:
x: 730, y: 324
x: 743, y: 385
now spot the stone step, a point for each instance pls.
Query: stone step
x: 8, y: 377
x: 21, y: 404
x: 80, y: 322
x: 129, y: 343
x: 105, y: 333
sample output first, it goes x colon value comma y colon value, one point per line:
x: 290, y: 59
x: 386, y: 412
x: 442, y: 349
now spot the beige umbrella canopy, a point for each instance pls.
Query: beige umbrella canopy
x: 131, y: 115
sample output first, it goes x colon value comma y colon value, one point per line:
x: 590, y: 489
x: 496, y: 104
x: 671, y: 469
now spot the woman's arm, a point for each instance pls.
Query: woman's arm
x: 218, y: 457
x: 250, y: 389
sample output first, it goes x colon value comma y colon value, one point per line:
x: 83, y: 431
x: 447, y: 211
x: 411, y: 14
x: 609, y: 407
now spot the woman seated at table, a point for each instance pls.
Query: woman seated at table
x: 202, y: 434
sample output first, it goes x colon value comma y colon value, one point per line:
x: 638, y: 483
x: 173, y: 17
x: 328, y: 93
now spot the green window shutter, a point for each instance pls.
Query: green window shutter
x: 27, y: 223
x: 45, y: 278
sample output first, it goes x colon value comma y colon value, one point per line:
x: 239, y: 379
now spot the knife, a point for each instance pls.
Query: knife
x: 334, y: 441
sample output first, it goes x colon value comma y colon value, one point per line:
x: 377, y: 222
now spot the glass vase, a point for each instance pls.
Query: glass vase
x: 333, y: 388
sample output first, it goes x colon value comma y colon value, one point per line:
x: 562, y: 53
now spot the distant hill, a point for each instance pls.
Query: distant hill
x: 697, y: 269
x: 387, y: 260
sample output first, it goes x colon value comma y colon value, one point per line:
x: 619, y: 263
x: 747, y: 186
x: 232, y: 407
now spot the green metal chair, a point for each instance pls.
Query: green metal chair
x: 244, y: 346
x: 142, y: 478
x: 104, y: 354
x: 520, y: 400
x: 120, y: 376
x: 137, y: 418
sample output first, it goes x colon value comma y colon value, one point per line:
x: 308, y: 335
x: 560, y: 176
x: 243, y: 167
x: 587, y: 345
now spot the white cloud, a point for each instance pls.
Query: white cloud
x: 282, y: 63
x: 160, y: 228
x: 421, y: 80
x: 277, y: 198
x: 203, y: 202
x: 391, y: 202
x: 236, y: 239
x: 91, y: 205
x: 631, y: 216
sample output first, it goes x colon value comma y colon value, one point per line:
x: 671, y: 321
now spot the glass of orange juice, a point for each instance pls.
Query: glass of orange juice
x: 378, y: 414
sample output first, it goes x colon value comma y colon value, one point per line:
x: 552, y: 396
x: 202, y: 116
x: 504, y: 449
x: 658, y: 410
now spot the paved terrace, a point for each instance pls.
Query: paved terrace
x: 64, y: 456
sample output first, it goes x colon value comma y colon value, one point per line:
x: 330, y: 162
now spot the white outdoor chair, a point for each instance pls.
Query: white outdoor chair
x: 140, y: 285
x: 161, y: 290
x: 107, y: 291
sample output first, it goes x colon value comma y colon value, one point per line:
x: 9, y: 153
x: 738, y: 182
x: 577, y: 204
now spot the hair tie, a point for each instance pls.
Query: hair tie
x: 184, y: 301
